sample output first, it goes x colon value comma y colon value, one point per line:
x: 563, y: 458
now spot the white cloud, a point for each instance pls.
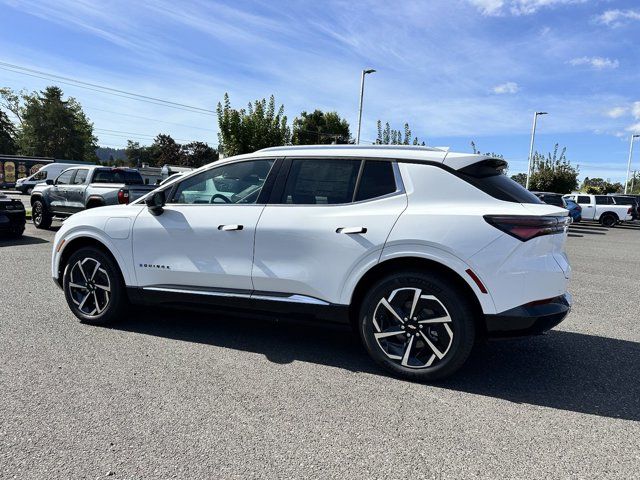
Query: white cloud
x: 617, y: 112
x: 509, y: 87
x: 616, y: 18
x: 517, y: 7
x: 635, y: 128
x: 598, y: 63
x: 635, y: 110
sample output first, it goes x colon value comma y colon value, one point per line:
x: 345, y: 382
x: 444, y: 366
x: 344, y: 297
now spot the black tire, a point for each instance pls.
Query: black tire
x: 453, y: 346
x: 90, y: 281
x: 17, y: 232
x: 608, y: 220
x: 40, y: 215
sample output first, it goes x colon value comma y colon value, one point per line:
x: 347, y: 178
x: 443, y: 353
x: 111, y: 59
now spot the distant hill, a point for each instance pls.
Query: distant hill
x: 104, y: 153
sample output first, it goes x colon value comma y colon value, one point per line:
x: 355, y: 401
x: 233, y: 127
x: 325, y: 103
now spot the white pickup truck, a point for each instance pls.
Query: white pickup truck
x: 601, y: 208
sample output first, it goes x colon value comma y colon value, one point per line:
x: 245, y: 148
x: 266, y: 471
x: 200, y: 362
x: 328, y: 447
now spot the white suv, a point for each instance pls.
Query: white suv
x: 422, y: 250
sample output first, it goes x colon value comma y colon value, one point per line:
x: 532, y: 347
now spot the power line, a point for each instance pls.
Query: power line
x: 102, y: 89
x: 114, y: 132
x: 147, y: 118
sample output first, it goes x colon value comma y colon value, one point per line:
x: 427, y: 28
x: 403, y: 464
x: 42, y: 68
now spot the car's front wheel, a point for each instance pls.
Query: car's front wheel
x: 417, y: 326
x: 93, y: 287
x: 40, y: 215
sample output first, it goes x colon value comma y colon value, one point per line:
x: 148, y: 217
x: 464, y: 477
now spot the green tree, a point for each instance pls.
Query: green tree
x: 476, y: 151
x: 197, y: 154
x: 245, y: 131
x: 51, y: 126
x: 137, y: 154
x: 599, y: 186
x: 634, y: 184
x: 389, y: 136
x: 553, y: 173
x: 165, y: 151
x: 520, y: 178
x: 320, y: 128
x: 8, y: 133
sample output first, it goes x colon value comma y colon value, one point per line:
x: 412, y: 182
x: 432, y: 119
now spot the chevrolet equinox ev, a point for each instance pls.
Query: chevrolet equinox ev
x: 423, y: 251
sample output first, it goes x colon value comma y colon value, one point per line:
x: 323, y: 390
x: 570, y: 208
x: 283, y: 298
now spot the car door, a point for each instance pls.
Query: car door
x: 75, y: 190
x: 58, y: 193
x: 331, y: 215
x: 588, y: 208
x: 202, y: 242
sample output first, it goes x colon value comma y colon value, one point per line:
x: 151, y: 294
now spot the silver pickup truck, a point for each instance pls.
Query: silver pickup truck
x: 83, y: 187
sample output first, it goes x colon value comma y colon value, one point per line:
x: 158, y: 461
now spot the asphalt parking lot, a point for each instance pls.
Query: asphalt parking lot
x: 183, y: 395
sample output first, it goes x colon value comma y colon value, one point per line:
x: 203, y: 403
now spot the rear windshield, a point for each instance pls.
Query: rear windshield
x: 551, y: 199
x: 488, y: 177
x: 128, y: 177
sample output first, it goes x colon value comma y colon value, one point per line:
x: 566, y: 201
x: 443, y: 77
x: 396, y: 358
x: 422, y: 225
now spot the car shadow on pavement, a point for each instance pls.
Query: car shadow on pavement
x: 6, y: 241
x: 562, y: 370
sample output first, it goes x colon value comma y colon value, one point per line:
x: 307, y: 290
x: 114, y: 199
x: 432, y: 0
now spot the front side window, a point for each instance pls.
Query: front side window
x: 41, y: 175
x: 65, y: 177
x: 239, y: 182
x: 321, y: 181
x: 81, y: 176
x: 377, y: 179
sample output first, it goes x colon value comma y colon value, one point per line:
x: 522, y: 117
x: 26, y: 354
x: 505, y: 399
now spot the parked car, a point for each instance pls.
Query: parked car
x: 12, y: 216
x: 551, y: 198
x: 422, y: 250
x: 601, y: 208
x: 82, y: 188
x: 575, y: 210
x: 633, y: 202
x: 49, y: 171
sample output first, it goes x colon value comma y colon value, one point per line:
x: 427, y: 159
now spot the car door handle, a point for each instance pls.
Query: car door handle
x: 351, y: 230
x: 229, y: 228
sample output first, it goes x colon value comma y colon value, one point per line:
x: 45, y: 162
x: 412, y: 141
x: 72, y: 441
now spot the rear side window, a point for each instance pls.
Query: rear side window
x: 321, y: 181
x: 81, y: 176
x: 128, y: 177
x: 603, y: 200
x: 487, y: 176
x: 583, y: 199
x: 377, y: 179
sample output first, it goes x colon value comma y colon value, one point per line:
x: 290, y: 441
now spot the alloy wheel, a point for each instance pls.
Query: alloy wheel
x: 89, y: 287
x: 37, y: 213
x: 412, y: 328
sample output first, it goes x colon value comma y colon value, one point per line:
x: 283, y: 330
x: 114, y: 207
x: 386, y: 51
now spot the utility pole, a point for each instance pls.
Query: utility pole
x: 364, y: 72
x: 533, y: 136
x: 626, y: 182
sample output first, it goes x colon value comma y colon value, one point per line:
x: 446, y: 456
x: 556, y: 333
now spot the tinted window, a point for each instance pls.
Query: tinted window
x: 130, y: 177
x: 377, y: 179
x: 321, y: 181
x: 583, y: 199
x: 488, y: 177
x: 552, y: 199
x: 239, y: 182
x: 602, y: 200
x: 65, y: 177
x: 624, y: 200
x: 81, y: 176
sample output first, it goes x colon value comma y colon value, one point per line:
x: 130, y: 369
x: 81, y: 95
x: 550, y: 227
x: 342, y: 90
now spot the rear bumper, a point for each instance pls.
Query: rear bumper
x: 12, y: 220
x: 533, y: 318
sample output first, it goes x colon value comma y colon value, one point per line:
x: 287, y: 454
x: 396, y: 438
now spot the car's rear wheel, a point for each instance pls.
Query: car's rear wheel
x: 608, y: 220
x: 417, y: 326
x: 93, y: 287
x: 40, y: 215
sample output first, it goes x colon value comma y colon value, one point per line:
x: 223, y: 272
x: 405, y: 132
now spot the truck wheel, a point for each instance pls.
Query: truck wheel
x: 93, y: 287
x: 417, y: 326
x: 608, y: 220
x: 40, y: 215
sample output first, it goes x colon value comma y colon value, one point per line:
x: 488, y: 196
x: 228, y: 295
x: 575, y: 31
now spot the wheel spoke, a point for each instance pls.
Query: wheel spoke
x: 389, y: 333
x: 95, y: 299
x: 435, y: 350
x: 95, y: 270
x: 443, y: 319
x: 407, y: 352
x: 106, y: 288
x: 81, y: 304
x: 79, y: 265
x: 388, y: 306
x: 77, y: 285
x: 416, y: 299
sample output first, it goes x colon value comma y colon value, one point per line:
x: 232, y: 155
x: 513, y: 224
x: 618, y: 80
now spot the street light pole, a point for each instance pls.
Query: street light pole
x: 626, y: 182
x: 533, y: 136
x: 364, y: 72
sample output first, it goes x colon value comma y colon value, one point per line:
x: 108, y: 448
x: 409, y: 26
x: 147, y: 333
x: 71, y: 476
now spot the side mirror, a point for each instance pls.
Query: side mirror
x: 155, y: 202
x: 50, y: 181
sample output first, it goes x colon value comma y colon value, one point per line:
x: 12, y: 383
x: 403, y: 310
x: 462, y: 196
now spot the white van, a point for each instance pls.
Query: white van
x: 49, y: 171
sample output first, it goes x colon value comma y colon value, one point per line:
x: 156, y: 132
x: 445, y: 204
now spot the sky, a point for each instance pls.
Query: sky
x: 455, y: 70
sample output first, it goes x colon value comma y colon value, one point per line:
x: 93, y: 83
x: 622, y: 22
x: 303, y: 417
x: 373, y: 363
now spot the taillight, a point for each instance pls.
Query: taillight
x: 527, y: 227
x: 630, y: 211
x: 123, y: 196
